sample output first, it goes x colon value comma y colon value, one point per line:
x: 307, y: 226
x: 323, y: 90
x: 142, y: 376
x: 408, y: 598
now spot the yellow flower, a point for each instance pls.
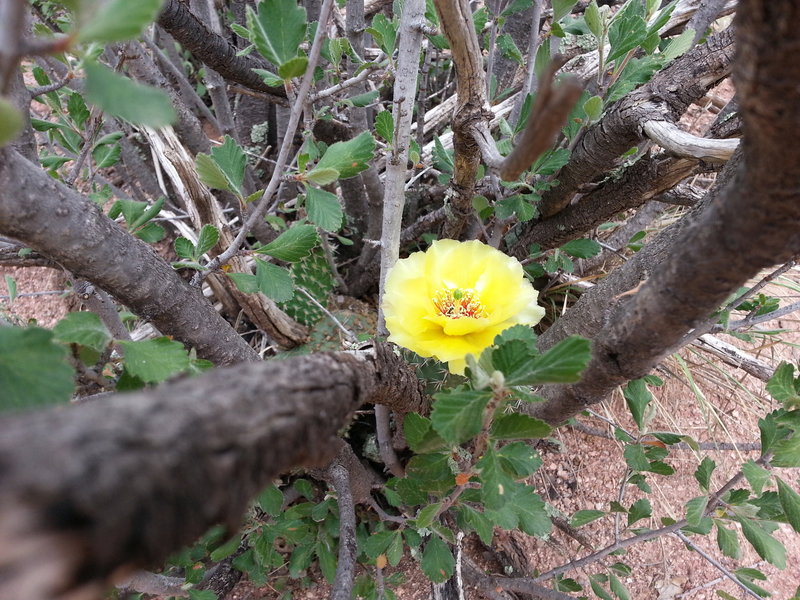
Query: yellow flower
x: 454, y: 298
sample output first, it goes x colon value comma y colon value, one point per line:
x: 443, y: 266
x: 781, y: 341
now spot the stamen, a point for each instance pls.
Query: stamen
x: 459, y: 303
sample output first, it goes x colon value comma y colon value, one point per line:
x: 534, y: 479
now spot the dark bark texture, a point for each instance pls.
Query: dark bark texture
x: 93, y: 490
x: 751, y: 223
x: 214, y: 50
x: 665, y: 98
x: 71, y: 230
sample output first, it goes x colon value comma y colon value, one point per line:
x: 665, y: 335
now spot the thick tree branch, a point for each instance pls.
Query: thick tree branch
x: 214, y: 50
x: 665, y: 98
x: 33, y: 205
x: 93, y: 490
x: 735, y: 236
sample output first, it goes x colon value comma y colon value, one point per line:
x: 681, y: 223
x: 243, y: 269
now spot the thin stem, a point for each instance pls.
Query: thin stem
x: 345, y: 568
x: 719, y: 566
x: 350, y: 335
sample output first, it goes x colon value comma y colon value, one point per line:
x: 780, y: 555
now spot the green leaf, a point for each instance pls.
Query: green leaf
x: 322, y: 176
x: 516, y: 426
x: 277, y: 29
x: 679, y: 45
x: 376, y: 544
x: 119, y: 20
x: 327, y: 559
x: 126, y: 99
x: 767, y: 546
x: 782, y: 385
x: 384, y: 125
x: 583, y: 517
x: 695, y: 510
x: 232, y: 161
x: 11, y: 121
x: 208, y: 238
x: 245, y: 282
x: 426, y: 515
x: 271, y: 500
x: 385, y: 33
x: 637, y: 396
x: 33, y: 369
x: 514, y: 360
x: 420, y: 436
x: 635, y: 457
x: 77, y: 110
x: 300, y: 560
x: 519, y: 460
x: 437, y: 560
x: 509, y: 48
x: 458, y: 414
x: 211, y: 173
x: 479, y: 522
x: 294, y: 67
x: 184, y: 248
x: 273, y: 281
x: 497, y: 486
x: 594, y: 20
x: 703, y: 473
x: 350, y: 157
x: 618, y: 588
x: 790, y: 502
x: 293, y: 244
x: 11, y: 285
x: 362, y: 100
x: 106, y: 155
x: 517, y: 204
x: 269, y: 77
x: 226, y: 549
x: 640, y: 509
x: 323, y: 209
x: 756, y: 475
x: 787, y: 452
x: 582, y: 248
x: 628, y: 30
x: 561, y: 8
x: 593, y: 107
x: 195, y: 594
x: 532, y: 513
x: 84, y: 328
x: 728, y: 541
x: 561, y: 364
x: 155, y: 360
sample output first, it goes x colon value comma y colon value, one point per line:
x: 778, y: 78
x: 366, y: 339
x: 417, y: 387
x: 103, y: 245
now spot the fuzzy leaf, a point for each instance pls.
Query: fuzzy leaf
x: 274, y: 281
x: 10, y: 121
x: 437, y: 560
x: 84, y: 328
x: 350, y: 157
x: 458, y: 414
x: 323, y: 209
x: 277, y: 29
x: 118, y: 20
x: 155, y: 360
x: 293, y: 244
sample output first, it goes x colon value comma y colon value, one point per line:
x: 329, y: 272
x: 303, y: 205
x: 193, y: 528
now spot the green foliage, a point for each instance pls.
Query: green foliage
x: 323, y: 208
x: 191, y: 253
x: 348, y: 158
x: 293, y: 244
x: 33, y: 369
x: 224, y: 168
x: 118, y: 20
x: 83, y: 328
x: 10, y: 121
x: 120, y: 97
x: 137, y: 217
x: 385, y: 33
x: 156, y: 360
x: 277, y: 31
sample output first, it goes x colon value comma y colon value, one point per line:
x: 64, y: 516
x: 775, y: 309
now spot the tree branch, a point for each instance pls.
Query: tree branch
x: 93, y: 490
x: 92, y: 247
x: 214, y: 50
x: 735, y: 236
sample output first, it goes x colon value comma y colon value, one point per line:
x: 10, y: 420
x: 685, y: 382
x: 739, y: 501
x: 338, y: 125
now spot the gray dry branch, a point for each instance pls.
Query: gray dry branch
x: 59, y: 223
x: 94, y: 490
x: 752, y: 222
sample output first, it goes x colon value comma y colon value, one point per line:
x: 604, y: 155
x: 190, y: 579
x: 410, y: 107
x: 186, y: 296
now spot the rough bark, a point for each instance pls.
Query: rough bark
x: 70, y: 229
x: 214, y: 50
x: 455, y: 18
x: 93, y: 490
x: 641, y: 182
x: 731, y: 240
x: 665, y: 98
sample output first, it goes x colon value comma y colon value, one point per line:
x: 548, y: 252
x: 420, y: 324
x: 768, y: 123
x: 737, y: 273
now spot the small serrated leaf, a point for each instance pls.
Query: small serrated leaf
x: 437, y: 560
x: 273, y: 281
x: 208, y: 238
x: 384, y: 125
x: 515, y: 426
x: 322, y: 176
x: 324, y: 209
x: 790, y: 502
x: 293, y: 244
x: 155, y: 360
x: 350, y: 157
x: 184, y: 248
x: 458, y: 414
x: 84, y: 328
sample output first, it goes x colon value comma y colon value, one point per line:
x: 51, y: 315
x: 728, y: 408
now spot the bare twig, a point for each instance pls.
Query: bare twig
x: 553, y: 105
x: 718, y: 565
x: 396, y: 173
x: 345, y: 568
x: 349, y: 334
x: 680, y: 143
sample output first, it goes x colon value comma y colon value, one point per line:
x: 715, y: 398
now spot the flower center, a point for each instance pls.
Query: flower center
x: 459, y: 303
